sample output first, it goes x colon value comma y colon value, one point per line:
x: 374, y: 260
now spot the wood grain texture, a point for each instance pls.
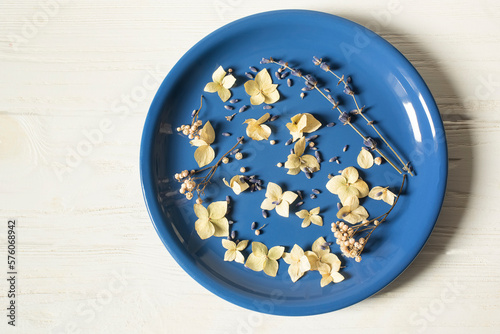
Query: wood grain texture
x: 89, y: 258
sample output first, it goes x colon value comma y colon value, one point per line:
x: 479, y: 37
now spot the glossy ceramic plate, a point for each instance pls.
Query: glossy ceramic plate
x: 395, y: 96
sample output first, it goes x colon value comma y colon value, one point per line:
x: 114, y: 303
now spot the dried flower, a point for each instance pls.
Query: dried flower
x: 233, y: 252
x: 320, y: 254
x: 310, y: 217
x: 256, y: 130
x: 277, y: 199
x: 204, y: 154
x: 352, y: 212
x: 221, y: 84
x: 298, y: 262
x: 330, y: 273
x: 262, y: 89
x: 211, y: 220
x: 302, y: 123
x: 348, y: 184
x: 263, y: 259
x: 384, y: 194
x: 370, y: 143
x: 297, y: 161
x: 236, y: 183
x: 365, y: 159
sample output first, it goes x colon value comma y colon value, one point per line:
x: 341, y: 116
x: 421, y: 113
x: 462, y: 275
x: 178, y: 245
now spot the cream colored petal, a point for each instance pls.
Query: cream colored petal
x: 310, y: 162
x: 300, y: 146
x: 212, y: 87
x: 294, y: 272
x: 241, y: 185
x: 389, y: 197
x: 204, y: 228
x: 304, y: 263
x: 263, y: 118
x: 256, y: 263
x: 312, y: 124
x: 228, y: 81
x: 292, y: 161
x: 332, y: 260
x: 224, y: 94
x: 337, y: 277
x: 352, y: 202
x: 204, y: 155
x: 324, y: 268
x: 273, y: 191
x: 302, y: 122
x: 302, y: 214
x: 217, y: 210
x: 236, y: 188
x: 365, y: 159
x: 325, y: 280
x: 316, y: 247
x: 271, y: 267
x: 221, y: 227
x: 230, y: 255
x: 292, y: 127
x: 355, y: 216
x: 282, y: 209
x: 347, y: 193
x: 289, y: 196
x: 207, y: 133
x: 239, y: 257
x: 263, y: 78
x: 315, y: 211
x: 267, y: 204
x: 218, y: 75
x: 306, y: 222
x: 293, y: 171
x: 272, y: 97
x: 296, y: 135
x: 297, y: 252
x: 317, y: 220
x: 276, y: 252
x: 251, y: 127
x: 259, y: 249
x: 336, y: 184
x: 200, y: 211
x: 269, y: 89
x: 251, y: 88
x: 225, y: 182
x: 263, y: 132
x: 362, y: 188
x: 198, y: 142
x: 287, y: 257
x: 295, y: 119
x: 351, y: 174
x: 313, y: 260
x: 257, y: 99
x: 344, y: 212
x: 228, y: 244
x: 242, y: 245
x: 376, y: 193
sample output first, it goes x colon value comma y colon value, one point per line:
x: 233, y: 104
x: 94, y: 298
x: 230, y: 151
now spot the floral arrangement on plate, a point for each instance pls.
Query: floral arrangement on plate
x: 353, y: 224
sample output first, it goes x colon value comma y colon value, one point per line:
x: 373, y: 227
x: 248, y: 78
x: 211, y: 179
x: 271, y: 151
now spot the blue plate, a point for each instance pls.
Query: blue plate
x: 395, y: 96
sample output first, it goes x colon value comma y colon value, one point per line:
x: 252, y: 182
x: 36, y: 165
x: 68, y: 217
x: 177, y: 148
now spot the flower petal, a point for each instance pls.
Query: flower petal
x: 302, y: 214
x: 360, y: 213
x: 228, y: 81
x: 365, y: 159
x: 352, y: 202
x: 306, y: 222
x: 272, y: 97
x: 317, y: 220
x: 263, y: 132
x: 282, y: 209
x: 297, y: 252
x: 348, y: 192
x: 293, y: 171
x: 230, y: 255
x: 276, y: 252
x: 224, y: 94
x: 294, y: 272
x: 239, y: 257
x: 362, y: 188
x: 204, y: 155
x: 332, y: 260
x: 271, y: 267
x: 376, y: 193
x: 251, y: 88
x: 389, y: 197
x: 221, y: 227
x: 218, y: 75
x: 273, y: 191
x: 269, y: 89
x: 310, y: 162
x: 325, y: 280
x: 263, y: 78
x: 300, y: 146
x: 207, y: 133
x: 267, y: 204
x: 200, y: 211
x: 263, y: 118
x: 256, y: 263
x: 351, y: 174
x: 337, y: 277
x: 259, y: 249
x: 293, y: 161
x: 217, y: 210
x: 204, y: 228
x: 287, y: 257
x: 315, y: 211
x: 242, y: 245
x: 257, y: 99
x: 312, y: 124
x: 228, y: 244
x: 212, y: 87
x: 304, y: 263
x: 289, y: 196
x: 198, y: 142
x: 336, y: 184
x: 313, y: 259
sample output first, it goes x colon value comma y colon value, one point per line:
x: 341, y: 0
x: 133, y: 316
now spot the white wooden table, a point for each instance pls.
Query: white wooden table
x: 76, y: 81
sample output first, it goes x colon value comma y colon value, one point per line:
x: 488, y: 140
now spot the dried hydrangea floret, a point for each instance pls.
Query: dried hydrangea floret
x: 262, y: 89
x: 352, y: 212
x: 237, y: 183
x: 233, y: 252
x: 365, y: 159
x: 384, y: 194
x: 309, y: 217
x: 302, y: 123
x: 204, y: 154
x: 298, y: 263
x: 277, y: 199
x: 348, y: 184
x: 256, y: 129
x: 221, y: 84
x: 211, y: 220
x: 263, y: 259
x: 298, y: 161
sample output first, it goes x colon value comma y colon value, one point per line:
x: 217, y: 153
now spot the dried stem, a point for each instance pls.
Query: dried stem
x: 195, y: 115
x: 336, y: 106
x: 369, y: 122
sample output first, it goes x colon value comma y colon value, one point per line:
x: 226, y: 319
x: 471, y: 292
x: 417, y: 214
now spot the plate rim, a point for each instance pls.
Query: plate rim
x: 146, y: 165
